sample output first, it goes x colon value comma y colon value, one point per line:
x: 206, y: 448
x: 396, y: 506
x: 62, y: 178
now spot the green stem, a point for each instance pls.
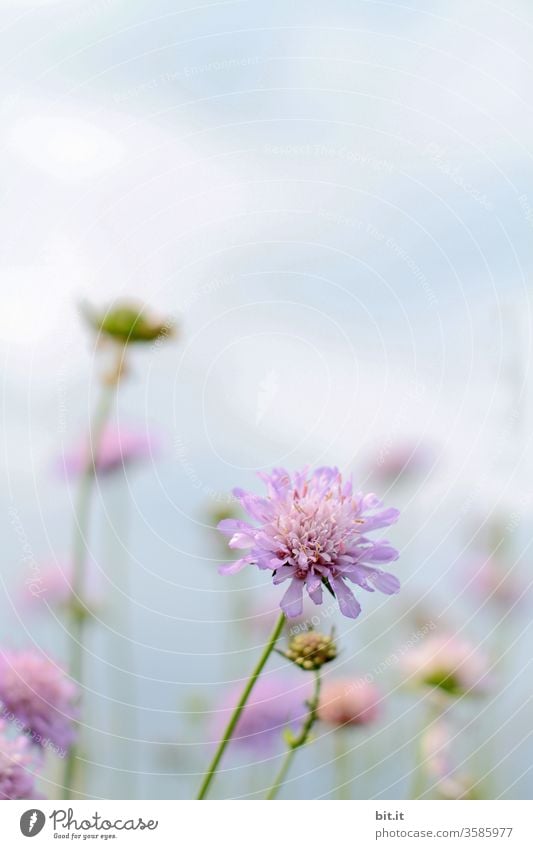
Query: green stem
x: 213, y: 766
x: 300, y: 740
x: 77, y: 609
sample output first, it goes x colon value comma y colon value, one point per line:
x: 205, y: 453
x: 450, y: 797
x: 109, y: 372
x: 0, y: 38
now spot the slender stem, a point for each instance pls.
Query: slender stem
x: 77, y: 609
x: 282, y: 774
x: 211, y: 772
x: 298, y: 741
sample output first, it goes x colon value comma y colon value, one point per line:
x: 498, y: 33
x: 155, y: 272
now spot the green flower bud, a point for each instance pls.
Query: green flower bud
x: 127, y: 322
x: 311, y: 650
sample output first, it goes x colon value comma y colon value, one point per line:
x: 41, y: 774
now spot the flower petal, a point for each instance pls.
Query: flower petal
x: 369, y: 578
x: 230, y: 526
x: 348, y: 604
x: 234, y: 566
x: 282, y: 573
x: 292, y: 601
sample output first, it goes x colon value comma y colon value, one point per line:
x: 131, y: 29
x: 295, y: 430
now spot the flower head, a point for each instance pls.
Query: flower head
x: 40, y: 697
x: 51, y: 584
x: 17, y: 766
x: 449, y: 664
x: 408, y: 459
x: 276, y: 703
x: 118, y: 447
x: 348, y: 701
x: 494, y: 582
x: 311, y: 650
x: 312, y: 531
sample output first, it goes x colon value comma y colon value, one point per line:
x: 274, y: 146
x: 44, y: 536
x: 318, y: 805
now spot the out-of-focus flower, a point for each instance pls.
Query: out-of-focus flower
x: 312, y: 531
x: 17, y: 766
x: 493, y: 582
x: 406, y: 459
x: 276, y: 703
x: 119, y: 447
x: 52, y: 583
x: 39, y: 696
x: 436, y: 752
x: 348, y: 701
x: 448, y: 663
x: 311, y: 650
x: 127, y: 322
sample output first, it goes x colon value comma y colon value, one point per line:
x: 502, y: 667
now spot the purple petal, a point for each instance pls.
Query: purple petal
x: 234, y: 566
x: 380, y: 520
x: 292, y: 602
x: 348, y: 604
x: 385, y: 582
x: 381, y: 552
x: 369, y: 578
x: 241, y: 540
x: 282, y: 573
x: 314, y: 588
x: 230, y: 526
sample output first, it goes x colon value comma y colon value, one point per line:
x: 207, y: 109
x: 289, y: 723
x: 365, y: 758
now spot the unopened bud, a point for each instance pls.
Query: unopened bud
x: 127, y: 323
x: 311, y: 650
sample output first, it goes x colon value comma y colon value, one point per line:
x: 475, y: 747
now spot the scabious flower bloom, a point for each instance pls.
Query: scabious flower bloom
x: 277, y: 702
x: 448, y: 663
x: 348, y: 701
x: 40, y: 697
x: 312, y: 532
x: 119, y: 446
x: 17, y: 766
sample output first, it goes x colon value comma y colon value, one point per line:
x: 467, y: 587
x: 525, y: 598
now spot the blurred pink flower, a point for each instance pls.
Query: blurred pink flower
x: 449, y: 663
x: 349, y: 701
x: 407, y: 458
x: 52, y: 583
x: 17, y: 766
x: 37, y: 694
x: 493, y: 582
x: 119, y: 447
x: 276, y: 702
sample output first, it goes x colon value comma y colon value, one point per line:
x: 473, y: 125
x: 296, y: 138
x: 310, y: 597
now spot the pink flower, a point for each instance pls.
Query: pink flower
x: 312, y: 531
x: 119, y: 447
x: 52, y: 583
x: 17, y: 766
x: 408, y: 458
x: 276, y: 702
x: 492, y: 581
x: 348, y: 701
x: 449, y: 663
x: 40, y: 697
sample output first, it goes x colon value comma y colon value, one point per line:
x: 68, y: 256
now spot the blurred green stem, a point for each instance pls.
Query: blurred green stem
x: 77, y: 609
x: 213, y: 766
x: 296, y: 742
